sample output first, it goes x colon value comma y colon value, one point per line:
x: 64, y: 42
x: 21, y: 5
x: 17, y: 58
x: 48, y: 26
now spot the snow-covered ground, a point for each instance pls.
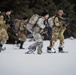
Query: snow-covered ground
x: 16, y: 62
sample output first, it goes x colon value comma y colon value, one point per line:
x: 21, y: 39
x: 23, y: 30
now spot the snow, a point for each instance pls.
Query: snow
x: 16, y: 62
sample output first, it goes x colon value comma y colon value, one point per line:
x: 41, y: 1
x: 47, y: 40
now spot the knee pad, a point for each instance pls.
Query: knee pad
x: 53, y: 42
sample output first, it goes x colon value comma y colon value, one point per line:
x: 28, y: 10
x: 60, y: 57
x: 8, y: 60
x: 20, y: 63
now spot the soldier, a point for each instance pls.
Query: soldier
x: 3, y: 36
x: 37, y: 31
x: 57, y: 32
x: 8, y: 18
x: 3, y: 33
x: 21, y: 31
x: 3, y: 22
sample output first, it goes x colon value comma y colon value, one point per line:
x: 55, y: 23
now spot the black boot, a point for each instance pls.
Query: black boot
x: 0, y: 47
x: 49, y: 50
x: 61, y: 50
x: 21, y: 45
x: 18, y: 42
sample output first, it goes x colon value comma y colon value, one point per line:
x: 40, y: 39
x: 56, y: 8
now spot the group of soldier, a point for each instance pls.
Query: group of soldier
x: 52, y: 26
x: 13, y: 31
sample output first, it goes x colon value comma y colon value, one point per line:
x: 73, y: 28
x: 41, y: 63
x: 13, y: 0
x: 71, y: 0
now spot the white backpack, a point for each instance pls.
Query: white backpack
x: 33, y: 20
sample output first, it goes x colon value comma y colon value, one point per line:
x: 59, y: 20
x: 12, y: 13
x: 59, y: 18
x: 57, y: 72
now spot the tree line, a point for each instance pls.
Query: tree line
x: 21, y: 8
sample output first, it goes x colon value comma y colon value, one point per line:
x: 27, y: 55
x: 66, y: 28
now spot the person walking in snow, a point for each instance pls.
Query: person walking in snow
x: 37, y: 31
x: 58, y: 32
x: 3, y: 37
x: 21, y: 32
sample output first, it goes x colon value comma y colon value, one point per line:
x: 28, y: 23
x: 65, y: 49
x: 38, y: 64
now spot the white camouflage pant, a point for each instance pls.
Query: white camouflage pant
x: 38, y: 42
x: 38, y: 39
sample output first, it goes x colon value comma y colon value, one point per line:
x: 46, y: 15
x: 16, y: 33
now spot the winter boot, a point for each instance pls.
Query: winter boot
x: 0, y: 47
x: 61, y: 50
x: 21, y: 45
x: 18, y: 42
x: 49, y: 50
x: 39, y: 51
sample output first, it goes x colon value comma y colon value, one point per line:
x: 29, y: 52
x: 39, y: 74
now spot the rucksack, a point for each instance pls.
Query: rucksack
x: 59, y: 19
x: 33, y: 20
x: 65, y: 22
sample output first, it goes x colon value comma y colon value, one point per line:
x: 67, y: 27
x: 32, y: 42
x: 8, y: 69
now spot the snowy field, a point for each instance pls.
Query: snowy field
x: 16, y: 62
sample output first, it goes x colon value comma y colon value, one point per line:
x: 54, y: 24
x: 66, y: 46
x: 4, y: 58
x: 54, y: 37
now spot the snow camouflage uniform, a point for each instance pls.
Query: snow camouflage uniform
x: 57, y: 32
x: 38, y: 30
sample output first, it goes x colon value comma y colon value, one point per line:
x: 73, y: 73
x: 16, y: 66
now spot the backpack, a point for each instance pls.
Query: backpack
x: 54, y: 20
x: 64, y: 21
x: 33, y: 20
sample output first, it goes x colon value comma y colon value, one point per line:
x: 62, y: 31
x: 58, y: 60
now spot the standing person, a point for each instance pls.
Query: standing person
x: 37, y: 31
x: 3, y: 37
x: 22, y: 31
x: 57, y: 32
